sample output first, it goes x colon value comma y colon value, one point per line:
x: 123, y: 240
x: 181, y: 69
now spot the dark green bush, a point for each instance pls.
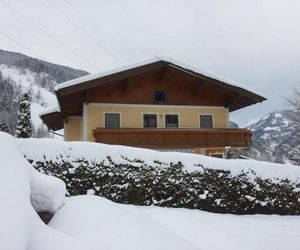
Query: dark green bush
x: 170, y: 185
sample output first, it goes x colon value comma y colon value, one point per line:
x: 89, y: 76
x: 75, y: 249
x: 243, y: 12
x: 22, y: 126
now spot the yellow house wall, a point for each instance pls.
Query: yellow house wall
x: 73, y: 128
x: 131, y: 116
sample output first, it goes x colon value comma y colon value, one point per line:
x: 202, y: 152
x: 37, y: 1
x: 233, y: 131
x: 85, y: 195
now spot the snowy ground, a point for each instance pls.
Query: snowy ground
x: 111, y: 226
x: 94, y: 223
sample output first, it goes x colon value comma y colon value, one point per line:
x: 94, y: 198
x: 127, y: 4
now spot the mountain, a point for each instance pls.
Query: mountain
x: 276, y: 136
x: 19, y: 74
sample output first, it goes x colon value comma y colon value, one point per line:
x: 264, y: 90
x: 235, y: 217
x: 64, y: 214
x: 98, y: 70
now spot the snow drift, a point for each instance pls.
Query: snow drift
x: 111, y: 226
x: 22, y: 189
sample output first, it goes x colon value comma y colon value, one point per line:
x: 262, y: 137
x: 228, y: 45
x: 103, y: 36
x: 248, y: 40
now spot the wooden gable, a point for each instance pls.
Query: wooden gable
x: 137, y: 85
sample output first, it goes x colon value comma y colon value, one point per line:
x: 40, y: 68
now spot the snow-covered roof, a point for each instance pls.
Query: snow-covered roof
x: 49, y: 111
x: 154, y: 59
x: 54, y: 114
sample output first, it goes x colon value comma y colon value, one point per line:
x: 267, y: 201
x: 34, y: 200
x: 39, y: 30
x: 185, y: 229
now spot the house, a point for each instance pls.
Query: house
x: 160, y: 104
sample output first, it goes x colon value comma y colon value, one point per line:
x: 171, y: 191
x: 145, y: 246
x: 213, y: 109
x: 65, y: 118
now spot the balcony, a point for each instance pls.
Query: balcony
x: 174, y: 138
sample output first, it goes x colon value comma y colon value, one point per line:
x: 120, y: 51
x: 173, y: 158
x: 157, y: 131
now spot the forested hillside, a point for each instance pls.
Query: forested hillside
x: 23, y: 74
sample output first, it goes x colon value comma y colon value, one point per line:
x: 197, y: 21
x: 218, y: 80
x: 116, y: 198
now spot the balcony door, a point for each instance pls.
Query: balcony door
x: 206, y: 121
x: 150, y: 120
x: 172, y: 121
x: 112, y: 120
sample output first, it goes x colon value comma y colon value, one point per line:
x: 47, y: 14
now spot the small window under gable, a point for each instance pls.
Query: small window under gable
x: 206, y: 121
x: 160, y: 95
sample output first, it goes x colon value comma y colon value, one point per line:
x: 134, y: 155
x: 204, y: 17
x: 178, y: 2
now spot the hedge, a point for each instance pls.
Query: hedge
x: 170, y: 185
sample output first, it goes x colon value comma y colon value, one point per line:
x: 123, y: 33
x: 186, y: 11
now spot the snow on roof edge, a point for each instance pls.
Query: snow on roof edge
x: 153, y: 60
x: 104, y: 73
x: 49, y: 111
x: 209, y: 74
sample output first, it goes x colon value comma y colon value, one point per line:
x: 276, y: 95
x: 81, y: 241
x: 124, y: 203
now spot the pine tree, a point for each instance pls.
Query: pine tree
x: 24, y: 126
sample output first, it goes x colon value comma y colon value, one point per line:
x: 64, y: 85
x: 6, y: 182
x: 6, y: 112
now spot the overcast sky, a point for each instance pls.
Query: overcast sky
x: 254, y: 42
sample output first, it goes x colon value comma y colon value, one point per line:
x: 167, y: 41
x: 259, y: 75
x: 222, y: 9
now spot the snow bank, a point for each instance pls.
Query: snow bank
x: 47, y: 192
x: 15, y: 210
x: 58, y: 151
x: 20, y: 226
x: 111, y: 226
x: 108, y: 225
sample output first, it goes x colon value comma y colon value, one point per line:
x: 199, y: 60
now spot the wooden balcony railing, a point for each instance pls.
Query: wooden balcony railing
x: 174, y: 138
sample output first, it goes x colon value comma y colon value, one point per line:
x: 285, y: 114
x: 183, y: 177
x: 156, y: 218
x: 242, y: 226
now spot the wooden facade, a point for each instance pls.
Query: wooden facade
x: 175, y: 138
x: 181, y: 89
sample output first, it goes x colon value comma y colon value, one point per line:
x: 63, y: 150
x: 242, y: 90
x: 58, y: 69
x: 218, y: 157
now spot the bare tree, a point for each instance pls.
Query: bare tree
x: 293, y: 101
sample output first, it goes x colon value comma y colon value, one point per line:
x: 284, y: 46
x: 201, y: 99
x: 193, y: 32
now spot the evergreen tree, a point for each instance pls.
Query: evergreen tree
x: 24, y: 126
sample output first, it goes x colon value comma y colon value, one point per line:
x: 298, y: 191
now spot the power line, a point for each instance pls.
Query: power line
x: 67, y: 2
x: 48, y: 34
x: 80, y: 28
x: 21, y: 45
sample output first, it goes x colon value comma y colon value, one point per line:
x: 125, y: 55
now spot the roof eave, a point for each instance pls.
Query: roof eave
x: 53, y: 120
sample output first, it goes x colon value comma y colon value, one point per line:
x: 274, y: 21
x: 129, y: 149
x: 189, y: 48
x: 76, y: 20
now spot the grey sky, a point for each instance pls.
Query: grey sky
x: 256, y: 43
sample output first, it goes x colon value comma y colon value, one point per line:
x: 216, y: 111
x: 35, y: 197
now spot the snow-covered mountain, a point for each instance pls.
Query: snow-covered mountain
x: 276, y: 136
x: 19, y: 74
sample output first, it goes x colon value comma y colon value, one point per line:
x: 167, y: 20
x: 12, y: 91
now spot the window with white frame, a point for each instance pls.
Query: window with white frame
x: 206, y: 121
x: 172, y: 121
x: 112, y: 120
x: 150, y: 120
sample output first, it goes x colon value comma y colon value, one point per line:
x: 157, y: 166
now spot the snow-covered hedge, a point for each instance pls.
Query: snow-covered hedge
x: 146, y: 177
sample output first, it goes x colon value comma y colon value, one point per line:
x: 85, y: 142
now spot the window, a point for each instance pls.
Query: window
x: 217, y: 155
x: 172, y: 121
x: 112, y: 120
x: 160, y: 95
x: 150, y: 121
x: 206, y: 121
